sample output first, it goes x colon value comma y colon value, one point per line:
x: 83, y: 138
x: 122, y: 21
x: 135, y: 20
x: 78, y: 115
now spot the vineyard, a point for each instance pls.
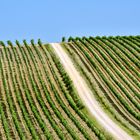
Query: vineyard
x: 38, y: 99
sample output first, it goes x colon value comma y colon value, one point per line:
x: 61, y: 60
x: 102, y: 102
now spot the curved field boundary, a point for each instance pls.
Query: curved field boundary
x: 88, y: 99
x: 111, y: 98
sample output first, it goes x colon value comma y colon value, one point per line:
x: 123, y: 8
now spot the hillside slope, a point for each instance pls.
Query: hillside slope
x: 39, y: 100
x: 111, y: 68
x: 86, y: 95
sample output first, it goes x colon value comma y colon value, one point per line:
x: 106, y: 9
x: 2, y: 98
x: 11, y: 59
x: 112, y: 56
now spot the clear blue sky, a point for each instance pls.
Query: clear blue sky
x: 52, y: 19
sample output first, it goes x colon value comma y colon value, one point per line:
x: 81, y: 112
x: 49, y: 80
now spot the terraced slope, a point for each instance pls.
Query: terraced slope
x: 38, y: 99
x: 111, y: 64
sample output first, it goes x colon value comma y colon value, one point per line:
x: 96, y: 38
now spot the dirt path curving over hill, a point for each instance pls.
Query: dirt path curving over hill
x: 87, y: 97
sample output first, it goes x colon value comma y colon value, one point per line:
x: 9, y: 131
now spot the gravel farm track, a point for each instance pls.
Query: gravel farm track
x: 79, y: 89
x: 87, y: 97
